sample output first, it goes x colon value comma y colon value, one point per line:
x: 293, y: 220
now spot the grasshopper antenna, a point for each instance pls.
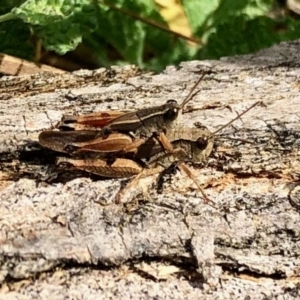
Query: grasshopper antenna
x: 238, y: 116
x: 191, y: 94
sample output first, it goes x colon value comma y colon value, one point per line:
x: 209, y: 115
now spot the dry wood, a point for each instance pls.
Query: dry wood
x: 93, y: 248
x: 11, y: 65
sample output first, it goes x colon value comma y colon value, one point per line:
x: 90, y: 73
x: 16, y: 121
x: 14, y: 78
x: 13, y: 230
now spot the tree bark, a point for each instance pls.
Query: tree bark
x: 66, y: 236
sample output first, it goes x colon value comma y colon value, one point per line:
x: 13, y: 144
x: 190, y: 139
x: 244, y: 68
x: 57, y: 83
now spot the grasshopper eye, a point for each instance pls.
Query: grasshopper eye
x: 172, y: 110
x: 202, y: 142
x: 174, y: 102
x: 171, y: 114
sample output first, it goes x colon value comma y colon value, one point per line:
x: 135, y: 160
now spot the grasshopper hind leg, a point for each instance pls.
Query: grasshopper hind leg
x: 134, y: 181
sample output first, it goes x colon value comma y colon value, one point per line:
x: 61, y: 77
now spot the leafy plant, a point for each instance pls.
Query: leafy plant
x: 118, y: 32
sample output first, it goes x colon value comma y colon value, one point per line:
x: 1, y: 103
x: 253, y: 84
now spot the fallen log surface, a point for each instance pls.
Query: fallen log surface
x: 67, y: 237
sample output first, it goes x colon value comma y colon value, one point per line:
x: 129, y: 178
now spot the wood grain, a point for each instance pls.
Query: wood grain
x: 68, y: 237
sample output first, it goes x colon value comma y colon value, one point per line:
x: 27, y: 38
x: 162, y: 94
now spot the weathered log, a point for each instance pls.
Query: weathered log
x: 89, y: 246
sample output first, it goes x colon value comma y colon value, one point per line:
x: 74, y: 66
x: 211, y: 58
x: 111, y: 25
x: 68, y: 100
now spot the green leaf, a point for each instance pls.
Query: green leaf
x: 176, y: 54
x: 205, y: 16
x: 227, y: 27
x: 253, y: 34
x: 7, y: 5
x: 257, y: 8
x: 59, y: 24
x: 199, y: 12
x: 123, y: 33
x: 130, y: 39
x: 14, y: 36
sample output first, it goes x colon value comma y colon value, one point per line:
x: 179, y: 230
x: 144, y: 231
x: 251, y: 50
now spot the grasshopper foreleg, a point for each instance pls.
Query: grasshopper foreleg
x: 184, y: 168
x: 168, y: 147
x: 177, y: 165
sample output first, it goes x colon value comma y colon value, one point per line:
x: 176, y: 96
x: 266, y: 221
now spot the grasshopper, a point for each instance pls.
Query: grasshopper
x: 140, y: 125
x: 194, y: 144
x: 114, y: 144
x: 76, y: 142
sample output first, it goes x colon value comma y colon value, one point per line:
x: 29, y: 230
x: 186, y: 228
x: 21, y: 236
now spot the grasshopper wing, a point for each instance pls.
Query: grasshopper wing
x: 88, y: 122
x: 57, y: 140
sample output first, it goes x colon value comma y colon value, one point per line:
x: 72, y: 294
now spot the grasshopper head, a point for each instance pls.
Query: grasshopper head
x: 172, y: 116
x: 201, y: 148
x: 172, y: 111
x: 196, y: 142
x: 202, y: 143
x: 160, y: 118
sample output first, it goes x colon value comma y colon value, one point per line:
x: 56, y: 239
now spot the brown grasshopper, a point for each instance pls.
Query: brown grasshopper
x: 93, y: 141
x: 194, y: 144
x: 140, y: 125
x: 125, y: 138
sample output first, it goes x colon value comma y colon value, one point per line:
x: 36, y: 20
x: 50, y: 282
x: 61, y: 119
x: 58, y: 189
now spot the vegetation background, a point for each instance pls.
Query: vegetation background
x: 73, y: 34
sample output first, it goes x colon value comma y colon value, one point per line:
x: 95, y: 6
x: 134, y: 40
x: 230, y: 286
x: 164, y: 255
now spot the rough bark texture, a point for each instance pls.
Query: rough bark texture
x: 67, y: 237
